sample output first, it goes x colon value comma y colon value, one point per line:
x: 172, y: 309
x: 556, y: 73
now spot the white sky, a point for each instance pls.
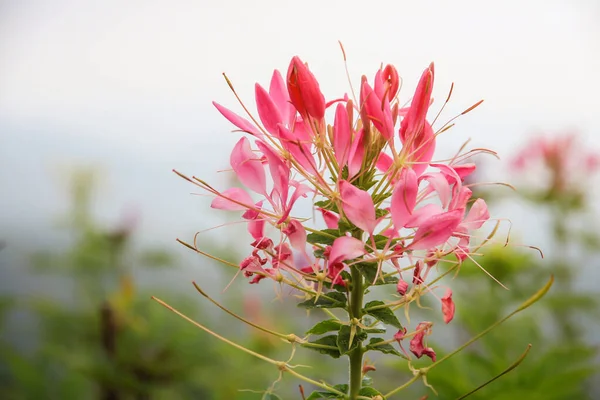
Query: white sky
x: 128, y: 84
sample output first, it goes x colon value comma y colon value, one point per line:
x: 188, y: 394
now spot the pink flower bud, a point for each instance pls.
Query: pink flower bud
x: 304, y: 90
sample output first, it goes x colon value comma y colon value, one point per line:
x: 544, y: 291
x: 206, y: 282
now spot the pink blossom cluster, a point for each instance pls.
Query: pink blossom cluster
x: 561, y: 158
x: 370, y: 176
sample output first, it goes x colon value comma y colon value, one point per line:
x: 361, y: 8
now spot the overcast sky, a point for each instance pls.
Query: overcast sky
x: 127, y: 85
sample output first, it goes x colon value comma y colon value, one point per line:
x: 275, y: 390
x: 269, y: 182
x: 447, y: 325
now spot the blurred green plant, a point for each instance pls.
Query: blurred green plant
x: 103, y: 338
x: 562, y: 361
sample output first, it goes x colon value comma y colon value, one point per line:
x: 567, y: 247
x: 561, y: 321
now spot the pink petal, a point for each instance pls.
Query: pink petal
x: 342, y: 135
x: 413, y: 122
x: 377, y: 111
x: 345, y: 248
x: 460, y: 199
x: 229, y: 199
x: 436, y: 230
x: 358, y: 206
x: 248, y: 167
x: 464, y: 170
x: 297, y: 235
x: 238, y: 121
x: 298, y: 148
x: 357, y: 152
x: 440, y: 184
x: 256, y: 224
x: 280, y: 172
x: 267, y: 110
x: 280, y: 96
x: 477, y: 216
x: 448, y: 306
x: 420, y: 215
x: 331, y: 220
x: 384, y: 162
x: 300, y: 191
x: 404, y: 198
x: 423, y: 149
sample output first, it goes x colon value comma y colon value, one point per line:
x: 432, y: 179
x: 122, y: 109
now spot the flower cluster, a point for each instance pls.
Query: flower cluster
x: 383, y: 211
x: 560, y: 165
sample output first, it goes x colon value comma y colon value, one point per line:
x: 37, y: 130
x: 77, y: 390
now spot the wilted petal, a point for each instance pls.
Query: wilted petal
x: 238, y: 121
x: 404, y: 198
x: 358, y: 206
x: 416, y: 343
x: 436, y: 230
x: 248, y: 167
x: 234, y: 199
x: 448, y: 306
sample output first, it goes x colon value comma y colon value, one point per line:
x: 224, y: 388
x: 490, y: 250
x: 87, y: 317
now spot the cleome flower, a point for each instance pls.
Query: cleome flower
x: 369, y: 175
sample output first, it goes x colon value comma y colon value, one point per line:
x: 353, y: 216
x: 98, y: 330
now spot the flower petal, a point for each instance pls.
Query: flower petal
x: 358, y: 206
x: 238, y: 121
x: 248, y: 167
x: 234, y: 199
x: 345, y: 248
x: 404, y: 198
x: 436, y: 230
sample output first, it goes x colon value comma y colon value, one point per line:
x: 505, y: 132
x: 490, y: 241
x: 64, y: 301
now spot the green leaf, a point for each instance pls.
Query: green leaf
x: 331, y: 341
x: 343, y: 339
x: 325, y: 326
x: 381, y: 212
x: 323, y: 395
x: 384, y: 348
x: 345, y: 276
x: 325, y: 236
x: 381, y: 241
x: 381, y: 197
x: 385, y: 315
x: 369, y: 271
x: 369, y: 392
x: 345, y: 226
x: 329, y: 300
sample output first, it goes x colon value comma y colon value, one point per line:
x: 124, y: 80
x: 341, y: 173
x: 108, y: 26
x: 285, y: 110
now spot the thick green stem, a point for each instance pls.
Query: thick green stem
x: 356, y: 356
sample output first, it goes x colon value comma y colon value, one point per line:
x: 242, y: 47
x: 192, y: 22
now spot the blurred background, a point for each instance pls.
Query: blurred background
x: 99, y: 101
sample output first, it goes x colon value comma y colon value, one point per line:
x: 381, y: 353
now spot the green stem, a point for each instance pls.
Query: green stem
x: 356, y: 356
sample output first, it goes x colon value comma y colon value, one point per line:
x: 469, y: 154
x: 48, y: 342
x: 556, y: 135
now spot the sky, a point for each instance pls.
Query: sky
x: 127, y: 87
